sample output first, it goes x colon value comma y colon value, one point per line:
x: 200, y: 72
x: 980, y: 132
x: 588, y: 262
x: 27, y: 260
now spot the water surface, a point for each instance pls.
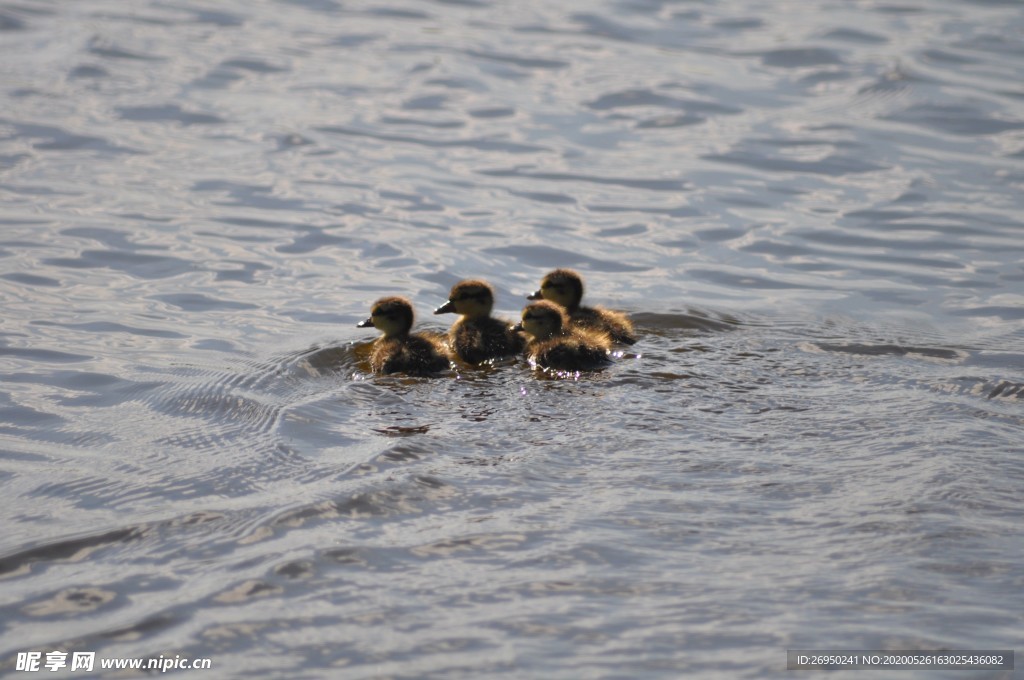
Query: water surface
x: 812, y: 212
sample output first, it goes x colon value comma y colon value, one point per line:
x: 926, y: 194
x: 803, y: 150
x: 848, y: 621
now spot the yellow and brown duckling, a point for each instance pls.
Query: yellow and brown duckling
x: 557, y: 345
x: 478, y: 336
x: 398, y: 350
x: 565, y: 287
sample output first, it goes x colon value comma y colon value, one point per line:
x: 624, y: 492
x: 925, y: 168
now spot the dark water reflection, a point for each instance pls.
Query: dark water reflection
x: 812, y: 213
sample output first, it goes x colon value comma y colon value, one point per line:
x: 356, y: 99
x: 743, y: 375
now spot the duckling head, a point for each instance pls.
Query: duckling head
x: 543, y: 320
x: 392, y: 316
x: 562, y: 286
x: 471, y: 298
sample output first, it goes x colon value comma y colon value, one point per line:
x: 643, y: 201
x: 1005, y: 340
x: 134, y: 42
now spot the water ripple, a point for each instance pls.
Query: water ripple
x: 800, y: 57
x: 480, y: 143
x: 955, y: 119
x: 55, y: 139
x: 167, y: 113
x: 546, y: 256
x: 649, y: 184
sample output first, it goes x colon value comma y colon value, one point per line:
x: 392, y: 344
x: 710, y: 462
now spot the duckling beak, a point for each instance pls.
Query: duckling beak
x: 535, y: 295
x: 446, y: 308
x: 366, y: 324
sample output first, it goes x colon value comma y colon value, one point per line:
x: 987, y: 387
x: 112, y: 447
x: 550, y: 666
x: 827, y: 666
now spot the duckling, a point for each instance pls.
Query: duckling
x: 398, y: 351
x: 557, y: 345
x: 565, y: 287
x: 478, y: 336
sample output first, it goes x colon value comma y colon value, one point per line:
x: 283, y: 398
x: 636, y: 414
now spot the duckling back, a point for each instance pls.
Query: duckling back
x: 414, y: 354
x: 616, y: 324
x: 480, y: 339
x: 575, y: 349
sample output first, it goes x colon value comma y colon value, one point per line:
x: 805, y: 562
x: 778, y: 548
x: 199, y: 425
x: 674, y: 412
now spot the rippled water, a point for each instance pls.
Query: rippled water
x: 813, y: 212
